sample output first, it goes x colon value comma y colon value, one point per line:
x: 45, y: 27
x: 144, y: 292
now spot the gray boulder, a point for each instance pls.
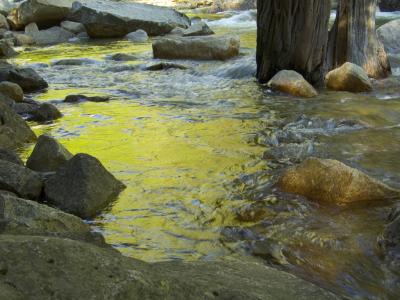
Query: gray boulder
x: 349, y: 77
x: 389, y: 35
x: 201, y: 48
x: 44, y: 13
x: 293, y: 83
x: 198, y: 29
x: 330, y: 181
x: 52, y: 36
x: 12, y: 90
x: 73, y: 27
x: 20, y: 180
x: 138, y: 36
x: 13, y: 129
x: 22, y: 39
x: 82, y: 187
x: 54, y: 268
x: 24, y: 217
x: 103, y: 19
x: 31, y: 29
x: 10, y: 156
x: 48, y: 155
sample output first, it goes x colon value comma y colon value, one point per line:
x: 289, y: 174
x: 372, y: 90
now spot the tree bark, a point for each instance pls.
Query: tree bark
x: 292, y: 34
x: 353, y: 39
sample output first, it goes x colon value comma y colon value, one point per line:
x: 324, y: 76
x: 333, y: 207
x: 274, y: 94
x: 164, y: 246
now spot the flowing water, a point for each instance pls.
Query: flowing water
x: 189, y: 144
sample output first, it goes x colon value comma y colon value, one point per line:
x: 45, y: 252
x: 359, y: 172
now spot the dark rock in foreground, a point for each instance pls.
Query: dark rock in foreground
x: 10, y: 156
x: 82, y: 187
x: 53, y: 268
x: 104, y: 19
x: 48, y: 155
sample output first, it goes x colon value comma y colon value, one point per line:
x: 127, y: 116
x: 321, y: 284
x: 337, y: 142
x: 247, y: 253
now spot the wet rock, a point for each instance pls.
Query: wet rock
x: 10, y: 156
x: 48, y: 155
x: 45, y: 112
x: 26, y: 78
x: 6, y: 49
x: 80, y: 98
x: 202, y: 48
x: 103, y: 20
x: 44, y: 13
x: 12, y: 90
x: 330, y: 181
x: 122, y: 57
x: 78, y: 270
x: 74, y: 62
x: 349, y: 77
x: 82, y: 187
x: 73, y: 27
x: 389, y: 35
x: 4, y: 23
x: 20, y: 180
x: 242, y: 68
x: 13, y: 129
x: 138, y: 36
x: 291, y: 153
x: 23, y: 39
x: 24, y: 217
x: 253, y: 212
x: 293, y: 83
x: 52, y: 36
x: 165, y: 66
x: 198, y: 29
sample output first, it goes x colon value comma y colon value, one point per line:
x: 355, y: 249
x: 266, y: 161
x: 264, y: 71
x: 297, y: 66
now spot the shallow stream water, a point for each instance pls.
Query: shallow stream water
x: 189, y: 144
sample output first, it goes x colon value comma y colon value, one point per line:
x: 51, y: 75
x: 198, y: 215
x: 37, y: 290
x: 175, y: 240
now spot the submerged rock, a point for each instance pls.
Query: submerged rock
x: 74, y: 62
x: 389, y: 35
x: 13, y: 129
x: 165, y: 66
x: 24, y: 217
x: 63, y: 268
x: 293, y: 83
x: 202, y: 48
x: 122, y: 57
x: 349, y: 77
x: 80, y: 98
x: 330, y: 181
x: 82, y: 187
x: 104, y: 19
x: 20, y: 180
x: 48, y: 155
x: 26, y: 78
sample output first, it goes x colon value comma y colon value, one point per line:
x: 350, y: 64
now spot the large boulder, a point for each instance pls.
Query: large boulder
x: 44, y: 13
x: 202, y: 48
x: 24, y: 217
x: 12, y: 90
x: 82, y: 187
x: 349, y: 77
x: 53, y: 268
x: 330, y: 181
x: 389, y: 35
x: 48, y: 155
x: 20, y: 180
x: 52, y: 36
x: 13, y: 129
x: 104, y: 19
x: 293, y: 83
x: 26, y: 78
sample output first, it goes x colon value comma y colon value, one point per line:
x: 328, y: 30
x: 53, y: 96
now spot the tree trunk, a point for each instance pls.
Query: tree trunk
x: 292, y: 34
x: 353, y: 39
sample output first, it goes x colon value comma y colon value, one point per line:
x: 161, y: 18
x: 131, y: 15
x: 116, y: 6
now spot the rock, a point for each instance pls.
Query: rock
x: 45, y: 112
x: 178, y: 31
x: 6, y: 49
x: 4, y: 23
x: 10, y: 156
x: 44, y: 13
x: 103, y: 20
x: 73, y: 27
x: 13, y: 129
x: 52, y: 36
x: 26, y: 78
x: 349, y: 77
x: 31, y: 29
x: 74, y: 62
x: 12, y: 90
x: 198, y: 29
x: 20, y: 180
x: 253, y: 212
x: 391, y: 234
x: 6, y: 100
x: 25, y: 217
x: 165, y: 66
x: 6, y: 6
x: 23, y: 39
x: 80, y: 98
x: 202, y: 48
x: 389, y: 35
x: 53, y: 268
x: 293, y: 83
x: 138, y: 36
x: 48, y: 155
x: 122, y: 57
x: 82, y: 187
x: 330, y: 181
